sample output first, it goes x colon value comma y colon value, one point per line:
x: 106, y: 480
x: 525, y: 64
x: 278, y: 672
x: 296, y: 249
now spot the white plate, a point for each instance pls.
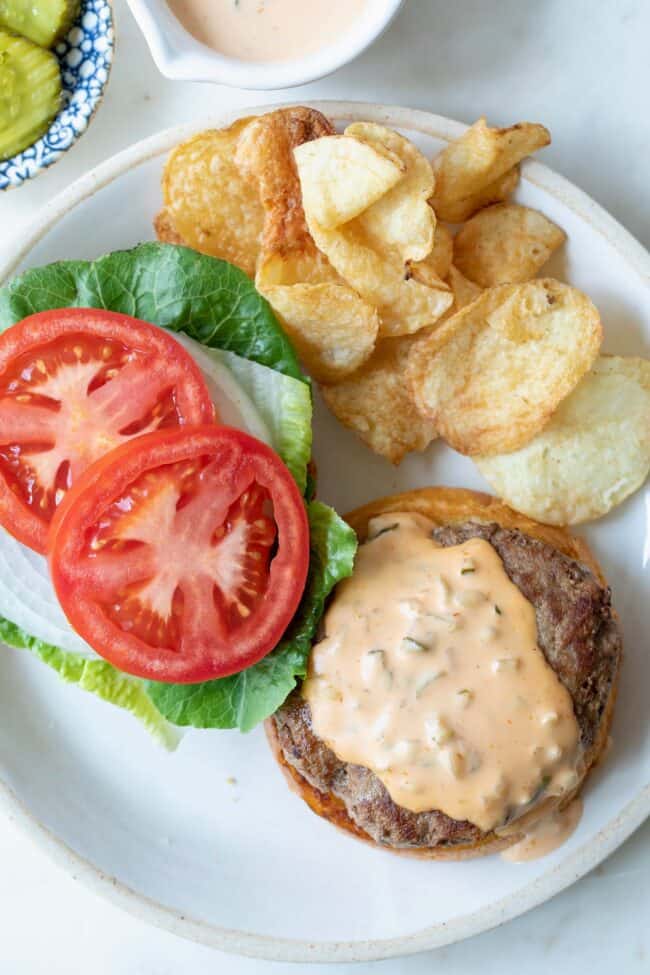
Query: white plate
x: 248, y: 867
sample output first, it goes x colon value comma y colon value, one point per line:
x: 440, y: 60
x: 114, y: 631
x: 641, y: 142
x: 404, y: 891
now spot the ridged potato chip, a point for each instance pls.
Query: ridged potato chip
x: 341, y: 177
x: 593, y: 453
x: 492, y: 375
x: 457, y: 211
x: 402, y: 217
x: 405, y: 305
x: 332, y: 328
x: 506, y: 243
x: 375, y: 404
x: 210, y: 204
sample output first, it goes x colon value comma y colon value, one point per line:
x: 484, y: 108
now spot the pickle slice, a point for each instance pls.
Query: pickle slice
x: 30, y: 93
x: 42, y: 21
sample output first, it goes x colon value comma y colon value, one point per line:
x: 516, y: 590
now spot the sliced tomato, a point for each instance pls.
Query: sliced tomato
x: 74, y: 383
x: 182, y: 555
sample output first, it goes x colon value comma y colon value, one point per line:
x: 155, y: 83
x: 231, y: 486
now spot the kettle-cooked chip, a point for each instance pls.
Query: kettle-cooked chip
x: 165, y: 230
x: 457, y: 211
x: 375, y: 404
x: 491, y: 376
x: 341, y: 176
x: 402, y: 217
x: 593, y: 453
x: 303, y: 264
x: 481, y: 156
x: 439, y: 260
x: 264, y: 156
x: 442, y: 254
x: 374, y: 268
x: 506, y: 243
x: 210, y: 204
x: 425, y: 272
x: 331, y: 327
x: 465, y: 292
x: 405, y: 305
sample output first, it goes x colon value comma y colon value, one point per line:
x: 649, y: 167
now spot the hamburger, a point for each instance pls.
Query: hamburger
x: 453, y: 588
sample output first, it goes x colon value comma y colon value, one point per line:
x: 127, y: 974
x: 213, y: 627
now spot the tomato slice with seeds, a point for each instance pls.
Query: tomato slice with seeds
x: 74, y: 383
x: 182, y: 555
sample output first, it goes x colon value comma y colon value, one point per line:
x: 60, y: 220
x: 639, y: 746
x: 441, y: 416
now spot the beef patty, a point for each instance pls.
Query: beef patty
x: 578, y: 636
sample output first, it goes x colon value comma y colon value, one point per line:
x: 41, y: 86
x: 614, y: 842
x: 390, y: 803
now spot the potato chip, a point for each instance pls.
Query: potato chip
x: 593, y: 453
x: 492, y: 375
x: 405, y: 305
x: 425, y: 273
x: 165, y: 230
x: 375, y: 403
x: 402, y: 217
x: 482, y: 155
x: 264, y: 155
x: 441, y: 256
x: 300, y: 265
x: 340, y: 177
x: 505, y: 244
x: 465, y: 292
x: 435, y: 267
x: 457, y: 211
x: 211, y: 206
x: 332, y: 329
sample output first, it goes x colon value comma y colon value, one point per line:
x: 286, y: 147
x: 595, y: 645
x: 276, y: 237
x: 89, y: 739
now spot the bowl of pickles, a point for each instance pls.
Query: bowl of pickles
x: 55, y: 59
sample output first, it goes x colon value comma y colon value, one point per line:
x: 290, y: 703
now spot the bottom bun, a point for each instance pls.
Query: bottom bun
x: 454, y: 506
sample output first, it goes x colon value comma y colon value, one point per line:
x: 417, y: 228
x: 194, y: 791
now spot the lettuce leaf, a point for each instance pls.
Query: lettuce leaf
x: 174, y: 287
x: 100, y: 678
x: 285, y: 406
x: 245, y: 699
x: 217, y: 305
x: 282, y: 405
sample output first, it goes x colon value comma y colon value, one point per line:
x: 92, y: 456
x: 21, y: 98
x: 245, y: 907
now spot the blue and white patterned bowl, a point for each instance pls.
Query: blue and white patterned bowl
x: 85, y: 56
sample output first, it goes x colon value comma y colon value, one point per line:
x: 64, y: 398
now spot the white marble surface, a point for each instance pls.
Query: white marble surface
x: 582, y: 68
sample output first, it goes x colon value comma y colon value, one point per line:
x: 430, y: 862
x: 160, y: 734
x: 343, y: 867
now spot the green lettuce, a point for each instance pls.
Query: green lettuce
x: 216, y: 304
x: 174, y: 287
x: 285, y: 406
x: 282, y: 404
x: 100, y: 678
x: 245, y: 699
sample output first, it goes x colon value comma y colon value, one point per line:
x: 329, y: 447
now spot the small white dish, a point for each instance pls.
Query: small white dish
x: 209, y: 843
x: 85, y: 55
x: 181, y: 57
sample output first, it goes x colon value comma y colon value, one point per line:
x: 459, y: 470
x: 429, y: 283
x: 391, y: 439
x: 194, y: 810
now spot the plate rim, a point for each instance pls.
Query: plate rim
x: 248, y: 943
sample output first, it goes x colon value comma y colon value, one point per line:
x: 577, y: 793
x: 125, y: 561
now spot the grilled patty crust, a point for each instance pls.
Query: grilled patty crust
x: 580, y: 640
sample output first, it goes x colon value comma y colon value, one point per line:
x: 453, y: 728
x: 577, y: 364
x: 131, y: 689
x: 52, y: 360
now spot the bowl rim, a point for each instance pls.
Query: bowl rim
x: 242, y: 942
x: 96, y: 103
x: 179, y: 56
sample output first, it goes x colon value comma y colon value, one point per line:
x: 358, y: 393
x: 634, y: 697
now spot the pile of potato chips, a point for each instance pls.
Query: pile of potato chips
x: 413, y: 328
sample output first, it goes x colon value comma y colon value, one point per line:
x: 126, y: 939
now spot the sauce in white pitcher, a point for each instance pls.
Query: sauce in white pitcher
x: 267, y: 30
